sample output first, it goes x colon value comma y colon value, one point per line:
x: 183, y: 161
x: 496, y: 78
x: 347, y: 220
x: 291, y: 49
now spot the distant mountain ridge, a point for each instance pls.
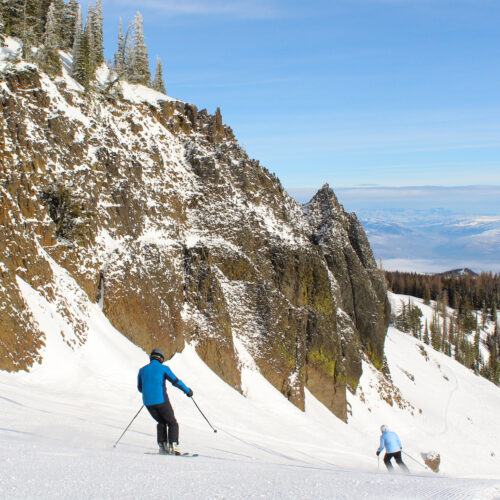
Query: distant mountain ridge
x: 459, y: 272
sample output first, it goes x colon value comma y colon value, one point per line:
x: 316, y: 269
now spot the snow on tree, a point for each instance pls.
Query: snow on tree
x: 59, y: 8
x: 119, y: 59
x: 97, y: 34
x: 12, y: 12
x: 43, y: 10
x: 28, y: 27
x: 87, y: 46
x: 79, y: 70
x: 48, y: 55
x: 90, y: 42
x: 68, y: 24
x: 78, y: 28
x: 20, y: 18
x: 138, y: 61
x: 408, y: 320
x: 129, y: 48
x: 52, y: 38
x: 158, y: 83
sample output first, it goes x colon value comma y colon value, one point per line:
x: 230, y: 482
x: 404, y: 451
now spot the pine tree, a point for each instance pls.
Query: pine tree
x: 444, y: 336
x: 458, y: 347
x: 52, y: 36
x: 494, y: 365
x: 436, y: 340
x: 458, y: 336
x: 29, y: 24
x: 90, y: 45
x: 444, y: 304
x: 451, y: 337
x: 426, y: 334
x: 484, y: 314
x: 158, y: 83
x: 19, y: 19
x: 12, y: 14
x: 43, y: 10
x: 59, y: 8
x: 48, y: 55
x: 414, y: 321
x: 97, y: 34
x: 79, y: 72
x: 119, y: 59
x: 477, y: 350
x: 68, y: 24
x: 138, y: 63
x: 400, y: 320
x: 427, y: 295
x: 466, y: 319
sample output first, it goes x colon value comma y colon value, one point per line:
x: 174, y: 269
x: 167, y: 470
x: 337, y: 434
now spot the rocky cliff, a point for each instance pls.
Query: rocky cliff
x: 162, y: 218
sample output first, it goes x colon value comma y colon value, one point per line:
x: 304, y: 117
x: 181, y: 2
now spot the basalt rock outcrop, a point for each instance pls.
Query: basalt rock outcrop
x: 165, y: 222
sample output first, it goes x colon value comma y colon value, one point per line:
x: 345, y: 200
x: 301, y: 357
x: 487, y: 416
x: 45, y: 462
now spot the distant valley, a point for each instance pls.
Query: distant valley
x: 427, y: 228
x: 433, y: 240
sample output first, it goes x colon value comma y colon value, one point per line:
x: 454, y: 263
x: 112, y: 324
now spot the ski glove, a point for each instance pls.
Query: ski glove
x: 189, y: 394
x: 378, y: 453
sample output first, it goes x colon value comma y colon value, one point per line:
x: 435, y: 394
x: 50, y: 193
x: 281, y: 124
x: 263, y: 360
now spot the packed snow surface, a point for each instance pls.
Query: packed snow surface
x: 60, y: 421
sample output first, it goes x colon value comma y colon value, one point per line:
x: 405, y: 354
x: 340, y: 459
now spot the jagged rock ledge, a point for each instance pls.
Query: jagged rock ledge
x: 161, y: 217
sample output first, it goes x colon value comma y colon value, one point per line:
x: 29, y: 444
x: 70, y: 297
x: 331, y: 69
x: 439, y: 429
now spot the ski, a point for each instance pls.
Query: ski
x: 185, y: 454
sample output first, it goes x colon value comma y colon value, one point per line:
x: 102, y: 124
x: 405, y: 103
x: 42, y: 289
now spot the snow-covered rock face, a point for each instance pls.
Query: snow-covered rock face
x: 350, y: 259
x: 163, y: 220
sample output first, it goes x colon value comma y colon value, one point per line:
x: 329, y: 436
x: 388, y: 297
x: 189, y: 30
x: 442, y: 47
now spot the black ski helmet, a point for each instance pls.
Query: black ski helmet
x: 157, y: 354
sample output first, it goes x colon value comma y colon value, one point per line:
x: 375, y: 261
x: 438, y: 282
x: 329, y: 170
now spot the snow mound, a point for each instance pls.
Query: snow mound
x: 9, y: 51
x: 140, y: 93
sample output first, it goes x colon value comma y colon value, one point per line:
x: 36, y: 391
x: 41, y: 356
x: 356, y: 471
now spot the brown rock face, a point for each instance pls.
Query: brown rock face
x: 362, y: 294
x: 160, y: 217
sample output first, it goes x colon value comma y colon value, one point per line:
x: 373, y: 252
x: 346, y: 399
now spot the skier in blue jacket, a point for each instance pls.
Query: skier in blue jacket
x: 392, y: 444
x: 151, y: 383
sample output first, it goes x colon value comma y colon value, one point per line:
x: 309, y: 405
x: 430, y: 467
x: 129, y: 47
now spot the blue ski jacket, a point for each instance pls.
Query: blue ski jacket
x: 151, y: 382
x: 390, y: 441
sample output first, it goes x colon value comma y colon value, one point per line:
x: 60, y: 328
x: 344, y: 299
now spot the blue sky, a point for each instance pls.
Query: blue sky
x: 349, y: 92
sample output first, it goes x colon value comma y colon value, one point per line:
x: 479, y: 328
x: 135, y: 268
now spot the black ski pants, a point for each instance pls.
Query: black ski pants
x: 167, y: 428
x: 399, y: 461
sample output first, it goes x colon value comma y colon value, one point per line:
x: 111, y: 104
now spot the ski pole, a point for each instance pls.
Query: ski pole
x: 421, y: 465
x: 114, y: 446
x: 378, y: 462
x: 215, y: 430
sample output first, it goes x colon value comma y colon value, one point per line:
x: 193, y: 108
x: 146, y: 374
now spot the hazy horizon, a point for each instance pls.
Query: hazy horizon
x: 426, y: 229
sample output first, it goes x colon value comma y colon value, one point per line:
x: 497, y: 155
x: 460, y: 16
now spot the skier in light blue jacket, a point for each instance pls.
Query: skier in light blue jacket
x: 392, y: 444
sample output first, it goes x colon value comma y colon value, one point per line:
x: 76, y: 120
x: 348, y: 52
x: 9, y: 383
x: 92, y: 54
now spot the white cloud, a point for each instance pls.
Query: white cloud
x: 232, y: 8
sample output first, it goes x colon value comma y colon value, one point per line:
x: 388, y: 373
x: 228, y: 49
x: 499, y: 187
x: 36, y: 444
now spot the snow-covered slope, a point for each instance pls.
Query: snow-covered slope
x: 59, y: 423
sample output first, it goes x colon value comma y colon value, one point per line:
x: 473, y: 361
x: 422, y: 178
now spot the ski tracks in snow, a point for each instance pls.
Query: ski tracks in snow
x: 461, y: 490
x: 448, y: 404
